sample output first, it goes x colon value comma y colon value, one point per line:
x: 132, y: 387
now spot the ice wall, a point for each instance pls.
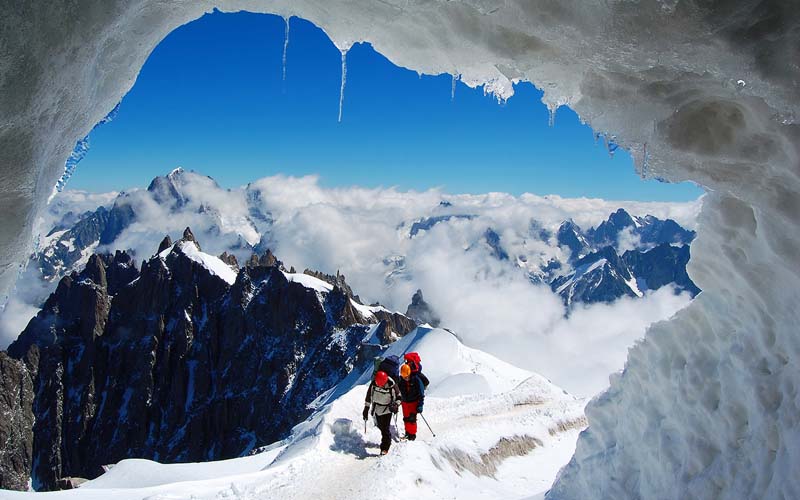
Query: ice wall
x: 701, y: 90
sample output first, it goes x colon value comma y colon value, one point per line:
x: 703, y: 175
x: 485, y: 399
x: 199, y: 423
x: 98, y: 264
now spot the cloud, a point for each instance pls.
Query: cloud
x: 627, y: 240
x: 578, y: 352
x: 14, y: 318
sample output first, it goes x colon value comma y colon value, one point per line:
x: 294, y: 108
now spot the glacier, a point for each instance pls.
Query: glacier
x: 708, y: 403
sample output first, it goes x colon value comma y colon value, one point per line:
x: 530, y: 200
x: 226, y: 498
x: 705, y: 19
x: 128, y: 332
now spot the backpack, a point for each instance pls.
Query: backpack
x: 413, y: 360
x: 389, y: 364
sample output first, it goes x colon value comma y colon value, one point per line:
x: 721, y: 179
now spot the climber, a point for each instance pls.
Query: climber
x: 412, y: 390
x: 384, y: 398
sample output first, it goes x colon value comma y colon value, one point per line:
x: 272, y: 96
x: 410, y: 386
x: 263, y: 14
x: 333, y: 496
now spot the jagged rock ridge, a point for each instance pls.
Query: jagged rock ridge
x: 186, y: 359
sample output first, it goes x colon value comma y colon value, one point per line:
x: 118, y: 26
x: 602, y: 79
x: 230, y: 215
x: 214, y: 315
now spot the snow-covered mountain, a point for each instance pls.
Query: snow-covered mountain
x: 501, y: 432
x: 184, y: 197
x: 622, y: 256
x: 189, y: 358
x: 518, y: 234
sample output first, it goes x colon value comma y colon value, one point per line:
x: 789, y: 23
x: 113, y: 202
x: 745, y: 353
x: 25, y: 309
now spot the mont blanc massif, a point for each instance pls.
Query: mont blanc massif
x: 200, y: 349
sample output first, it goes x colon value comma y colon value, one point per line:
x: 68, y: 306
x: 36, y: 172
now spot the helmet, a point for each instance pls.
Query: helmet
x: 381, y: 378
x: 405, y: 371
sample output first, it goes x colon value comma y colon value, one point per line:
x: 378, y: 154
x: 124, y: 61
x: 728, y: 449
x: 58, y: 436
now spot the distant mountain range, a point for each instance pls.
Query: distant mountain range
x: 624, y: 255
x: 595, y: 266
x: 599, y: 272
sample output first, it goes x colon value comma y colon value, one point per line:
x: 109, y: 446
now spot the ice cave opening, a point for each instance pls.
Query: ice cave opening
x: 708, y: 404
x: 420, y: 130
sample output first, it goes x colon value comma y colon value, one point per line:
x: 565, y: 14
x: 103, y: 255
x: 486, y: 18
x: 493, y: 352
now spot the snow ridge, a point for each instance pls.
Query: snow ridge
x: 504, y: 435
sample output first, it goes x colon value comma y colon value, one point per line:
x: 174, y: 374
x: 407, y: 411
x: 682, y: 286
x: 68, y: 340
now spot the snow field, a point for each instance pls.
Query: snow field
x: 214, y: 265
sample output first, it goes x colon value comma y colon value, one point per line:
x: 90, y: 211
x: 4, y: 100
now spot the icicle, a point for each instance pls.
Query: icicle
x: 453, y: 88
x: 285, y: 47
x: 644, y: 161
x: 344, y: 80
x: 551, y: 120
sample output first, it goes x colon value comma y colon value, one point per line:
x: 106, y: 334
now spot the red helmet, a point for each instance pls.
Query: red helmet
x: 381, y: 378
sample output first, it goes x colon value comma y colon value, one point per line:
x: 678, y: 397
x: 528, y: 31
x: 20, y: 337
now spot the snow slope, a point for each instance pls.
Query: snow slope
x: 501, y: 432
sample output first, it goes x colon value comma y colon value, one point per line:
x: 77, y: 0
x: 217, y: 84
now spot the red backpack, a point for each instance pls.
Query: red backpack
x: 413, y: 360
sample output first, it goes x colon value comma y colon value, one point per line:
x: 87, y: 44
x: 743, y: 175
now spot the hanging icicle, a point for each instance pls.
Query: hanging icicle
x: 551, y: 120
x: 285, y: 46
x: 645, y: 161
x: 453, y: 88
x: 344, y: 80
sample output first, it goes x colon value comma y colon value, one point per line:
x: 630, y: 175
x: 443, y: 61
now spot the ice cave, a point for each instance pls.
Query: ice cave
x: 708, y: 404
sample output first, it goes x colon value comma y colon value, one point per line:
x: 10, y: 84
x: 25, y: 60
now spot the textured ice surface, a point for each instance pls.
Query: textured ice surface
x: 707, y: 91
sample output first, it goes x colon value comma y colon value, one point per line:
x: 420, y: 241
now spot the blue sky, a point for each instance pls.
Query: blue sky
x: 211, y: 98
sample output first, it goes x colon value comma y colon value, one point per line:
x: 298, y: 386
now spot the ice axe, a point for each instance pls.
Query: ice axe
x: 426, y: 423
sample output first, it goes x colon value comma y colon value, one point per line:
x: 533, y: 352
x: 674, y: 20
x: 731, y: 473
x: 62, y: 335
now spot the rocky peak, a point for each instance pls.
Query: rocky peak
x: 608, y: 231
x: 571, y: 236
x: 337, y: 280
x: 229, y: 259
x: 267, y: 259
x: 189, y: 236
x: 165, y: 243
x: 420, y: 311
x: 95, y: 271
x: 120, y: 271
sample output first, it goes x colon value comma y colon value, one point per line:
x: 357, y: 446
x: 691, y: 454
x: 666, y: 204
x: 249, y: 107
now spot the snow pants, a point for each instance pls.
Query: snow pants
x: 383, y: 422
x: 410, y: 417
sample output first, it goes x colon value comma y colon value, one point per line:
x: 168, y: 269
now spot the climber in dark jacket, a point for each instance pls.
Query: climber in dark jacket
x: 412, y: 390
x: 384, y: 398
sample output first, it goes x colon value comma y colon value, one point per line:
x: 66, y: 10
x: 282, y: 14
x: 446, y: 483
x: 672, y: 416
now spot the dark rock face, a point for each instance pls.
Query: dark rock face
x: 16, y: 424
x: 428, y: 222
x: 337, y: 280
x: 421, y: 312
x: 598, y: 277
x: 394, y: 323
x: 651, y: 231
x: 493, y: 240
x: 571, y: 236
x: 661, y: 266
x: 165, y: 243
x: 119, y: 218
x: 653, y: 263
x: 229, y: 259
x: 608, y: 231
x: 655, y: 232
x: 173, y: 363
x: 267, y: 259
x: 604, y: 276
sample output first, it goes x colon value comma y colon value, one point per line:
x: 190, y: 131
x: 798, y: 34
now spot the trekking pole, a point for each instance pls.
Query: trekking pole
x: 426, y: 423
x: 365, y: 426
